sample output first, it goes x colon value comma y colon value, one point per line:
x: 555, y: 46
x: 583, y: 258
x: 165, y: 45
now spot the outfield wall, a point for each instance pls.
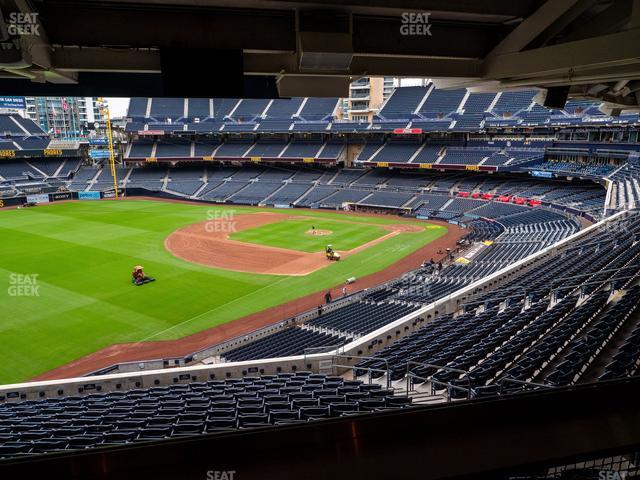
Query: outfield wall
x: 366, y: 345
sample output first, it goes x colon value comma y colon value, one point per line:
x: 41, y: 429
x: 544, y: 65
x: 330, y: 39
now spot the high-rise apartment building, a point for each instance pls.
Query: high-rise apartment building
x: 64, y: 117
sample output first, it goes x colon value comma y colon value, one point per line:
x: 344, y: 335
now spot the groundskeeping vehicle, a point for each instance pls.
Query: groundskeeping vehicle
x: 332, y: 254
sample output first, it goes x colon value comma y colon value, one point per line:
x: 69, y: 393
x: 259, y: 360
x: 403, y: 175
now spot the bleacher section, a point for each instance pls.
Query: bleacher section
x: 360, y: 317
x: 291, y: 341
x: 441, y: 103
x: 554, y: 340
x: 316, y: 109
x: 13, y: 125
x: 422, y: 107
x: 307, y: 131
x: 396, y: 151
x: 572, y: 168
x: 402, y: 103
x: 511, y: 103
x: 183, y: 410
x: 426, y: 194
x: 22, y: 140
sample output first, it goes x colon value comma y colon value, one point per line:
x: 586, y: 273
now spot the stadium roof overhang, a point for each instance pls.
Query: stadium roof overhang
x: 250, y: 47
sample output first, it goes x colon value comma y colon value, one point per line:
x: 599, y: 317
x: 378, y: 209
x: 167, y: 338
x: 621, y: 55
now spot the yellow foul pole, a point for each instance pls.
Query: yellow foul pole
x: 112, y: 159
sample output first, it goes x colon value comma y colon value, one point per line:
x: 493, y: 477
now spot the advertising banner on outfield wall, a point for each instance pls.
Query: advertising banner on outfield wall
x: 98, y: 154
x: 89, y: 195
x: 12, y: 102
x: 39, y: 198
x: 11, y: 202
x: 55, y: 197
x: 540, y: 174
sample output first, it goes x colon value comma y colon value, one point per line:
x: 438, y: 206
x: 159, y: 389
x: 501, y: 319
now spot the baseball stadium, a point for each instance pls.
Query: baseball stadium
x: 242, y: 262
x: 330, y: 255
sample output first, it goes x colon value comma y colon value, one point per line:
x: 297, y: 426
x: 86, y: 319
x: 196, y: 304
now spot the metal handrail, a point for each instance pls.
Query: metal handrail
x: 411, y: 375
x: 520, y: 382
x: 368, y: 369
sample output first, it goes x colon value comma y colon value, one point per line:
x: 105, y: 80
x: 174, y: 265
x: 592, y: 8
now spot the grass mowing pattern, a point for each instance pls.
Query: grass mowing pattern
x: 292, y: 234
x: 83, y: 254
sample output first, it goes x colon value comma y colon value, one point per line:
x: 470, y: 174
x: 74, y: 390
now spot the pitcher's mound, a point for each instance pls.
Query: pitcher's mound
x: 321, y: 233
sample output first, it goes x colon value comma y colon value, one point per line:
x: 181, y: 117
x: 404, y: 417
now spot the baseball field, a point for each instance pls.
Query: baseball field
x: 65, y: 270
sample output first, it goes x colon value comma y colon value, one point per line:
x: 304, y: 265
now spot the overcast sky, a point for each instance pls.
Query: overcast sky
x: 117, y: 106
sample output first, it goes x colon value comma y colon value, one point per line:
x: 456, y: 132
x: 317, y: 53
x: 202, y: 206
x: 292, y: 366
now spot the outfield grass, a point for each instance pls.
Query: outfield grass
x: 293, y: 234
x: 82, y: 254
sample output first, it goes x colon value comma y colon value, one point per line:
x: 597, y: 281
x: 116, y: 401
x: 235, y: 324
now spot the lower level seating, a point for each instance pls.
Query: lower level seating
x: 545, y: 326
x: 291, y: 341
x: 183, y: 410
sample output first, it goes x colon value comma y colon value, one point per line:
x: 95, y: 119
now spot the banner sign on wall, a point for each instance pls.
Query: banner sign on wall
x: 13, y: 201
x: 96, y: 153
x: 151, y: 132
x: 39, y: 198
x: 60, y: 196
x: 540, y: 174
x: 89, y: 195
x: 13, y: 102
